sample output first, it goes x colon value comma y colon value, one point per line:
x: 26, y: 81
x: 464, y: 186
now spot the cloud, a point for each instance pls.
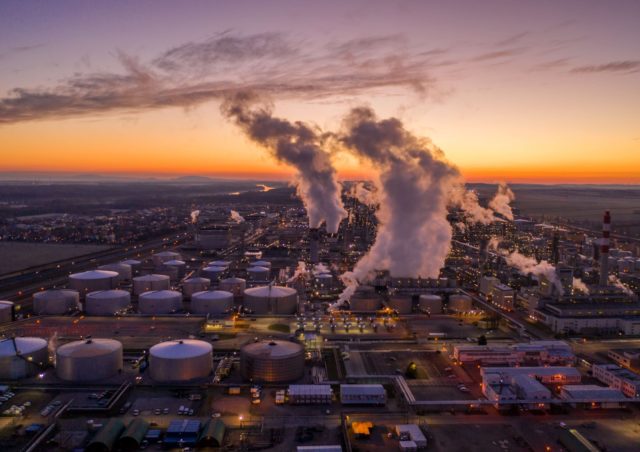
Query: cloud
x: 627, y: 66
x: 499, y: 54
x: 198, y: 72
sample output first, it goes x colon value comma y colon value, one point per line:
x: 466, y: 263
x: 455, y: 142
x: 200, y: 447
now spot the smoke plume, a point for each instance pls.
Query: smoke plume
x: 614, y: 281
x: 579, y: 284
x: 296, y: 144
x: 235, y: 216
x: 300, y: 272
x: 415, y: 186
x: 530, y: 266
x: 363, y: 194
x: 502, y: 199
x: 194, y: 216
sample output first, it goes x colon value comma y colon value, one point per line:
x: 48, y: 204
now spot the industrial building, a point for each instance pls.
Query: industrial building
x: 413, y: 433
x: 363, y: 394
x: 310, y: 394
x: 89, y: 360
x: 535, y: 352
x: 617, y: 377
x: 180, y: 361
x: 592, y: 396
x: 7, y: 311
x: 273, y: 361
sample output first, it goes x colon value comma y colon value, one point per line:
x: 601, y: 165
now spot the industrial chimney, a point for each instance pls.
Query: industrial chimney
x: 604, y: 250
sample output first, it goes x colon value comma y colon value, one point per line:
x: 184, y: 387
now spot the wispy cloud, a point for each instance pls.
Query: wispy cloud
x: 627, y: 66
x: 197, y: 72
x: 499, y: 54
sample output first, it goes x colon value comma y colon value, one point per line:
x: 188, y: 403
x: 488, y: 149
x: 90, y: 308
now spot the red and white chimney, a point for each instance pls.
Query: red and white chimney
x: 604, y: 250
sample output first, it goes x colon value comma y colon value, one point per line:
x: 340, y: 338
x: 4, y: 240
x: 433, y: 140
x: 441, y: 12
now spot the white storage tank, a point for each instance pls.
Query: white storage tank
x: 195, y: 284
x: 212, y: 273
x: 180, y: 266
x: 124, y: 271
x: 236, y: 286
x: 274, y: 361
x: 93, y: 280
x: 365, y: 299
x: 431, y: 303
x: 180, y: 361
x: 7, y: 312
x: 214, y: 302
x: 55, y: 301
x: 258, y: 273
x: 277, y: 300
x: 135, y: 265
x: 261, y: 263
x: 150, y: 282
x: 460, y: 303
x: 160, y: 302
x: 89, y: 360
x: 22, y: 357
x: 164, y: 256
x: 107, y: 302
x: 223, y: 264
x: 166, y: 270
x: 403, y: 304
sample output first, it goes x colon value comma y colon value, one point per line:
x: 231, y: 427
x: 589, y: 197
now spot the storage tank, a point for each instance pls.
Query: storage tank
x: 22, y: 357
x: 134, y: 264
x: 214, y: 302
x: 258, y: 273
x: 164, y: 256
x: 167, y: 270
x: 124, y: 271
x: 403, y: 304
x: 460, y: 303
x: 271, y: 300
x: 273, y: 361
x: 365, y: 299
x: 93, y: 280
x: 212, y: 273
x: 195, y: 284
x: 7, y: 311
x: 180, y: 361
x: 261, y: 263
x: 236, y: 286
x: 150, y: 282
x: 89, y: 360
x: 160, y: 302
x: 55, y: 301
x: 180, y: 266
x: 223, y: 264
x: 107, y: 302
x: 431, y: 303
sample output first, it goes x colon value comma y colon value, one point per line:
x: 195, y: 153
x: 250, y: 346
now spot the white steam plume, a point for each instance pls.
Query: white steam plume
x: 300, y: 272
x: 296, y: 144
x: 363, y: 194
x: 415, y: 185
x: 613, y: 280
x: 235, y: 216
x: 530, y: 266
x: 579, y: 284
x: 320, y: 268
x: 500, y: 202
x: 194, y: 216
x: 351, y: 284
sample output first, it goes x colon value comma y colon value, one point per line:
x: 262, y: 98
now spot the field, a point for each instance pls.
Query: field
x: 18, y: 255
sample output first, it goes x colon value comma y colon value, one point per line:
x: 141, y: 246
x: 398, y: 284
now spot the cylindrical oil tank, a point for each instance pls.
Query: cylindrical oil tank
x: 164, y: 256
x: 150, y: 282
x: 236, y: 286
x: 431, y: 303
x: 124, y: 271
x: 271, y: 300
x: 213, y: 302
x: 22, y: 357
x: 258, y: 273
x: 107, y: 302
x: 365, y: 299
x: 93, y: 280
x: 160, y: 302
x: 89, y: 360
x: 180, y: 266
x: 195, y: 284
x: 55, y: 301
x: 171, y: 272
x: 212, y: 273
x: 324, y: 280
x: 7, y: 311
x: 261, y: 263
x: 460, y: 303
x: 403, y: 304
x: 223, y: 264
x: 135, y: 265
x: 273, y: 361
x: 180, y: 361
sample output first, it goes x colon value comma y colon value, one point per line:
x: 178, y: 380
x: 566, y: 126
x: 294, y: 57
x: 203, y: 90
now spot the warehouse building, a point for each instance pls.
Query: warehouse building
x: 364, y: 394
x: 617, y: 377
x: 310, y: 394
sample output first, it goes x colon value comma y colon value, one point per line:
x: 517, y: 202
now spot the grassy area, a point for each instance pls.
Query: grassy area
x: 280, y: 328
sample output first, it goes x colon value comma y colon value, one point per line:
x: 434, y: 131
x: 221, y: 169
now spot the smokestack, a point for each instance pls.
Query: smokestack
x: 314, y: 239
x: 604, y: 250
